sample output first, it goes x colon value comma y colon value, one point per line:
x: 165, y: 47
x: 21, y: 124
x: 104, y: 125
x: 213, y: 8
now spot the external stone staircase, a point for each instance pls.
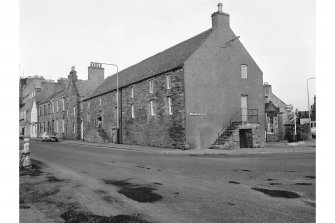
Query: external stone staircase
x: 226, y: 136
x: 104, y: 135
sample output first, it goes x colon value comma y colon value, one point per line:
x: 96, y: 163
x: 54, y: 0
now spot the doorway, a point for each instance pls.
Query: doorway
x: 246, y: 138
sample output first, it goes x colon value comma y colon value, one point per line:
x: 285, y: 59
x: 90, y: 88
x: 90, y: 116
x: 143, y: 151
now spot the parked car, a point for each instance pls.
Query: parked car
x: 49, y: 136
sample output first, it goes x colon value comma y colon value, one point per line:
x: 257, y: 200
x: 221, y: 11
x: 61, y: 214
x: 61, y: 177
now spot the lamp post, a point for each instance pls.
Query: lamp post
x: 117, y: 96
x: 309, y: 109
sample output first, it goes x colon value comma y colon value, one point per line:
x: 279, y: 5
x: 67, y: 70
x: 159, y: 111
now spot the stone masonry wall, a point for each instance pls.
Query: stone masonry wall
x: 161, y: 129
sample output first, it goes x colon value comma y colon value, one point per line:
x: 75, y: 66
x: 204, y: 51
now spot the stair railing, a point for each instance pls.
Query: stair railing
x: 252, y: 117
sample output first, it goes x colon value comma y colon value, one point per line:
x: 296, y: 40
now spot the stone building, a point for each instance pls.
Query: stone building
x: 278, y: 119
x: 204, y: 92
x: 61, y: 112
x: 33, y: 89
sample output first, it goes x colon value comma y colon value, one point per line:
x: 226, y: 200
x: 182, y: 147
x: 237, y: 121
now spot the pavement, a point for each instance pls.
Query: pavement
x: 269, y: 148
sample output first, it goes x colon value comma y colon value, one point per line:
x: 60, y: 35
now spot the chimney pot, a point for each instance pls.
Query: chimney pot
x: 220, y: 7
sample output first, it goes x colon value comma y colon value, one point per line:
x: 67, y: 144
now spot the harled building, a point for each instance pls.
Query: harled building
x: 204, y: 92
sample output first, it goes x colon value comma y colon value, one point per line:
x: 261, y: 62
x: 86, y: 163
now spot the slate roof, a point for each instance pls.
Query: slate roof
x: 270, y: 107
x: 164, y: 61
x: 55, y: 95
x: 85, y: 87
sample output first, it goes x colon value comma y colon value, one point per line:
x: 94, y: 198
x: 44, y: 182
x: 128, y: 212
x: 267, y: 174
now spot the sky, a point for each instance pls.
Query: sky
x: 279, y: 35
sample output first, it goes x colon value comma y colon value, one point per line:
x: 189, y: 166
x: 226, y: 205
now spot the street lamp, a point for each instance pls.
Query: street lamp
x: 309, y: 110
x: 117, y: 96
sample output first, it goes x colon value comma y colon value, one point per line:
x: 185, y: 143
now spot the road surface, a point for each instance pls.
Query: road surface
x: 188, y: 188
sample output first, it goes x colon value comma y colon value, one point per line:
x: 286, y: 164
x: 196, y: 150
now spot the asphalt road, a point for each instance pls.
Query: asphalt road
x: 213, y: 188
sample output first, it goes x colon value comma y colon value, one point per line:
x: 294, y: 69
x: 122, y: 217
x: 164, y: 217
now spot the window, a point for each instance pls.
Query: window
x: 74, y: 128
x: 88, y: 117
x: 57, y: 126
x: 132, y: 111
x: 53, y: 107
x: 99, y: 101
x: 63, y: 104
x: 63, y: 126
x: 81, y: 106
x: 151, y: 86
x: 88, y: 105
x: 152, y: 110
x: 170, y: 105
x: 74, y: 111
x: 67, y: 112
x: 132, y: 91
x: 168, y: 82
x: 244, y: 71
x: 57, y: 106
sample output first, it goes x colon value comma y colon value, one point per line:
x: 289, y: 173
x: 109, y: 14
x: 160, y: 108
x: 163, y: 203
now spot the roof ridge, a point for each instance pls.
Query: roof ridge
x: 161, y: 62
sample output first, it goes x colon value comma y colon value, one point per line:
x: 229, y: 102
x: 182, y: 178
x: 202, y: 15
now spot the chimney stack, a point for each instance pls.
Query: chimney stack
x: 220, y: 18
x: 96, y: 72
x: 73, y: 75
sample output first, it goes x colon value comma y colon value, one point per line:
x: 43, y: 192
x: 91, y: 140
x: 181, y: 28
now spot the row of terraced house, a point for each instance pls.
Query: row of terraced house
x: 205, y: 92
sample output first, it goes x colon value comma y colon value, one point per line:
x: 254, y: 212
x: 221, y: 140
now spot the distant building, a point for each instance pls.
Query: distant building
x: 61, y: 112
x: 276, y: 115
x: 33, y: 89
x: 204, y: 92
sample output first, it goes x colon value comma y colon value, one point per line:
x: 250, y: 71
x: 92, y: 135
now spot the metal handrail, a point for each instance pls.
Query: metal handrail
x: 237, y: 118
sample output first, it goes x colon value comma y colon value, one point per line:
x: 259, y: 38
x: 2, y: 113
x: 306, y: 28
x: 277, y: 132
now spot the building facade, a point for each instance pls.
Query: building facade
x: 282, y: 116
x: 61, y: 113
x: 206, y: 91
x: 33, y: 89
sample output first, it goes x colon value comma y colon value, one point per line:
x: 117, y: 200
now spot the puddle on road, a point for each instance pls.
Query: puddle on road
x: 209, y: 155
x: 277, y: 193
x: 54, y: 179
x: 246, y: 170
x: 72, y: 216
x: 304, y: 184
x: 234, y: 182
x: 310, y: 177
x: 275, y: 183
x: 271, y: 179
x: 137, y: 192
x: 230, y: 203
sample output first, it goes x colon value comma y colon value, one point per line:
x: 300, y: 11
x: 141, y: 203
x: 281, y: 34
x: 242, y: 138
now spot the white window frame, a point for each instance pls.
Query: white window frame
x: 57, y: 105
x: 57, y: 126
x: 74, y: 128
x: 152, y: 109
x: 151, y: 86
x: 63, y: 126
x: 74, y: 111
x: 168, y: 81
x: 67, y: 111
x: 169, y: 99
x: 100, y: 101
x: 132, y: 111
x: 132, y: 92
x: 244, y: 71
